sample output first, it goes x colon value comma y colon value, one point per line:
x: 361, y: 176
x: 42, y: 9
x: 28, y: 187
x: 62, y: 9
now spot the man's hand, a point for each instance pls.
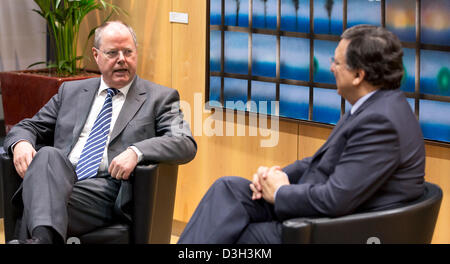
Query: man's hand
x: 123, y: 164
x: 23, y: 154
x: 273, y: 179
x: 255, y: 186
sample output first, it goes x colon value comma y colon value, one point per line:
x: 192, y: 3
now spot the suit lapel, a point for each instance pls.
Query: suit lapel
x: 135, y: 98
x: 338, y: 126
x: 85, y: 100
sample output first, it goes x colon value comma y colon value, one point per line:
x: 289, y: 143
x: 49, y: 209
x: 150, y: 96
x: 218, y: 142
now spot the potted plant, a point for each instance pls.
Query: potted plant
x: 25, y: 92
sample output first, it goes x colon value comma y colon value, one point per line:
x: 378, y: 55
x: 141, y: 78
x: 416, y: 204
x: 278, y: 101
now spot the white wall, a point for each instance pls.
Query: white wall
x: 22, y: 36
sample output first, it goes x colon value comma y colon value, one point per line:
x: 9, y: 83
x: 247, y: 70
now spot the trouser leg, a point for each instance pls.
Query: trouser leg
x: 53, y: 197
x: 47, y: 186
x: 91, y: 205
x: 224, y: 213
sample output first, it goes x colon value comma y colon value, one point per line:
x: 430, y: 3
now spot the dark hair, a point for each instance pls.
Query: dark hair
x: 378, y: 52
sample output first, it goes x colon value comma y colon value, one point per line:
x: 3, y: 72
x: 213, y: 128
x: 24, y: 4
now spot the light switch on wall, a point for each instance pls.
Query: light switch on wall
x: 178, y: 17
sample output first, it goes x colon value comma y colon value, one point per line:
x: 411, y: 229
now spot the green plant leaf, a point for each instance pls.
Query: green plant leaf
x: 36, y: 63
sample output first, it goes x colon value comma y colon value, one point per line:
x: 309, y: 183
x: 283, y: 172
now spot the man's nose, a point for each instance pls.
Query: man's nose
x: 121, y: 56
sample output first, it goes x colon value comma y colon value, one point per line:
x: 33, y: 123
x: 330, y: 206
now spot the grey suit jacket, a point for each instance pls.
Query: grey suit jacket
x: 373, y: 159
x: 150, y: 119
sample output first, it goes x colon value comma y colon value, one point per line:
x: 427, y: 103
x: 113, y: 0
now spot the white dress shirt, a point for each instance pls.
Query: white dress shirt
x: 360, y: 102
x: 117, y: 103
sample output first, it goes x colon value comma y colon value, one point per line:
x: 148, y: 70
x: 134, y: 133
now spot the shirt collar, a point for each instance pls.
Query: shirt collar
x: 124, y: 90
x: 361, y: 101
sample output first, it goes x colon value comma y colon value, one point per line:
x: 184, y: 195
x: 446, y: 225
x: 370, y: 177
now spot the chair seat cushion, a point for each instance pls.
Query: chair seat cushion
x: 113, y: 234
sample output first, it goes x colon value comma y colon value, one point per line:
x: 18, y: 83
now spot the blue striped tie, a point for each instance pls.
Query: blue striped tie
x: 92, y: 153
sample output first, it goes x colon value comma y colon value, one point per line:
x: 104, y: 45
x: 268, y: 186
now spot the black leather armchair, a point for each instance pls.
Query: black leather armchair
x: 412, y: 223
x: 153, y: 203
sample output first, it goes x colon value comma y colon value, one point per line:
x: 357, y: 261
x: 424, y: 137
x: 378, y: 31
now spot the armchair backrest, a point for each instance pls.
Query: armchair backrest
x: 10, y: 182
x: 412, y: 223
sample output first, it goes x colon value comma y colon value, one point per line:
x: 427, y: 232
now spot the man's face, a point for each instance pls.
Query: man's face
x: 343, y: 75
x: 116, y: 56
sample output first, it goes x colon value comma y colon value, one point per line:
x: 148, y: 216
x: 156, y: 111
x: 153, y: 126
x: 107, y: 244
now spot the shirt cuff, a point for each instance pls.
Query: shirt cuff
x: 138, y: 153
x: 275, y: 193
x: 15, y: 143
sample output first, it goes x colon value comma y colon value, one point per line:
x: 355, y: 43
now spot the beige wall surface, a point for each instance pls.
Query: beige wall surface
x: 173, y: 54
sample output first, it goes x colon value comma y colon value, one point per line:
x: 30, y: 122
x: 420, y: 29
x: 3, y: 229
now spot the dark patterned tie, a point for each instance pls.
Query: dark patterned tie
x: 92, y: 153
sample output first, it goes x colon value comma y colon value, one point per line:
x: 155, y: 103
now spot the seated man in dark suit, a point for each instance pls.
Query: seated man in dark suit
x: 99, y: 129
x: 374, y: 158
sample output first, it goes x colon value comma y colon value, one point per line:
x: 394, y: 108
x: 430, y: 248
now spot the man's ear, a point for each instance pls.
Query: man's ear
x: 95, y: 53
x: 359, y: 77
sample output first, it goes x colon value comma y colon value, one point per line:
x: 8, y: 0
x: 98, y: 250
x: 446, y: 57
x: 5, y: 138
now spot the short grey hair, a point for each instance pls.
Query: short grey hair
x: 99, y: 31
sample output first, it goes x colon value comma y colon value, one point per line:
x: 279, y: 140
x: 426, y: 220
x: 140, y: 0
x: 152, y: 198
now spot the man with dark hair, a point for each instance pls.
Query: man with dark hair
x: 98, y: 130
x: 373, y: 160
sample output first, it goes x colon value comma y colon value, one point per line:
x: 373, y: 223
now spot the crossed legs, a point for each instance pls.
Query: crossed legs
x: 227, y: 214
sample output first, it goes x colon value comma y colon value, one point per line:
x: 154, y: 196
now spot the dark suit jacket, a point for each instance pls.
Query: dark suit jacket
x: 150, y: 119
x: 373, y: 159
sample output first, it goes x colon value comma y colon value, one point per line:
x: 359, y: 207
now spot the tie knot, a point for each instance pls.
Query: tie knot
x: 112, y: 91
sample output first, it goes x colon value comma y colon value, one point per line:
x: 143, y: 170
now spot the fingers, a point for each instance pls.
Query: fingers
x: 259, y: 179
x: 262, y: 172
x: 256, y: 182
x: 122, y: 165
x: 118, y: 171
x: 23, y: 154
x: 256, y: 194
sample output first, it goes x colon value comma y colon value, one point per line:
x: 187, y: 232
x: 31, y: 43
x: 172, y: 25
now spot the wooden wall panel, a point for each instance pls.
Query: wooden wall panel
x: 217, y: 155
x: 437, y: 170
x: 310, y: 139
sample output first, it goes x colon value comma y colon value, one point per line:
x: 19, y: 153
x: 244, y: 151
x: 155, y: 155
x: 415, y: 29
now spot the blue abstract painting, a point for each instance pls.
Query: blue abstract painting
x: 235, y: 94
x: 250, y: 56
x: 236, y: 52
x: 411, y: 103
x: 294, y: 101
x: 295, y: 15
x: 294, y: 58
x: 263, y: 94
x: 236, y: 13
x: 348, y: 106
x: 215, y: 12
x: 363, y: 12
x: 401, y: 18
x: 323, y: 51
x: 435, y: 72
x: 265, y: 14
x: 328, y: 16
x: 215, y: 45
x: 214, y: 91
x: 409, y: 74
x: 434, y: 119
x: 326, y: 106
x: 264, y: 55
x: 435, y: 22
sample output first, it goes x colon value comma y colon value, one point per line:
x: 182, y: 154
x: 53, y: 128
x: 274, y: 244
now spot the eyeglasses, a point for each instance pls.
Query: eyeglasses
x: 337, y: 63
x: 333, y: 61
x: 113, y: 54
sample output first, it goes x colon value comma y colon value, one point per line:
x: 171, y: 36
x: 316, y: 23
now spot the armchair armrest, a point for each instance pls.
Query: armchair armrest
x: 10, y: 183
x: 154, y: 198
